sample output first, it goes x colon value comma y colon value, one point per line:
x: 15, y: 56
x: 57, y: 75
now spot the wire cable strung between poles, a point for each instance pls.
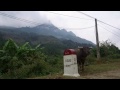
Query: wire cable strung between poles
x: 99, y: 20
x: 36, y: 23
x: 111, y: 32
x: 68, y: 15
x: 20, y: 19
x: 79, y: 28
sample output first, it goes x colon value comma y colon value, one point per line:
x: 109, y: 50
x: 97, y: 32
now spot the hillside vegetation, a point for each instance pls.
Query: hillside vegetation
x: 35, y: 34
x: 26, y: 61
x: 31, y: 52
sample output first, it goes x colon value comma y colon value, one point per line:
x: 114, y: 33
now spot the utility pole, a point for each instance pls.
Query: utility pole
x: 97, y: 40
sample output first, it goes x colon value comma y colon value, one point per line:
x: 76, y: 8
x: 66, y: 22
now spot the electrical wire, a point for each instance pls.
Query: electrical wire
x: 79, y: 28
x: 99, y: 20
x: 68, y: 15
x: 20, y: 19
x: 36, y: 23
x: 111, y: 32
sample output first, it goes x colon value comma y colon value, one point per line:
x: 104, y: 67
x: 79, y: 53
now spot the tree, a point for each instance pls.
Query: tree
x: 22, y: 61
x: 107, y: 49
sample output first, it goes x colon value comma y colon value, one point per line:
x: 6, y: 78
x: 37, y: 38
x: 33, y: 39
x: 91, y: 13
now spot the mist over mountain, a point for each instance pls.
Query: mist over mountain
x: 22, y: 18
x: 50, y: 29
x: 42, y: 25
x: 42, y: 30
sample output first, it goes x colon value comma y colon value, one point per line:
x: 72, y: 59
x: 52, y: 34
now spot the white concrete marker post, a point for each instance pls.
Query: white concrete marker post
x: 70, y: 63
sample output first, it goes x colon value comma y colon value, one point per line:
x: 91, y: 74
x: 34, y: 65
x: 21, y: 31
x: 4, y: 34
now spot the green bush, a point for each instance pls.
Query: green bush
x: 114, y: 56
x: 90, y: 60
x: 107, y: 49
x: 22, y: 61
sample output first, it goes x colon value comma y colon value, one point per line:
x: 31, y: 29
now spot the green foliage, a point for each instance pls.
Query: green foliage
x: 23, y: 61
x: 107, y: 49
x: 10, y: 47
x: 114, y: 56
x: 90, y: 60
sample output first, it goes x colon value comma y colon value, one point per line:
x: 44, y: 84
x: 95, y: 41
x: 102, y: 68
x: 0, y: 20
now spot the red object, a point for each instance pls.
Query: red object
x: 69, y: 52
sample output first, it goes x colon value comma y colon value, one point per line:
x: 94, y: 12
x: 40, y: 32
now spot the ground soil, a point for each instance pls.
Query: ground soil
x: 114, y: 74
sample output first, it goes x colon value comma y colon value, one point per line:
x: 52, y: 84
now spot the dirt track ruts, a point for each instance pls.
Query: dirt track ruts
x: 114, y: 74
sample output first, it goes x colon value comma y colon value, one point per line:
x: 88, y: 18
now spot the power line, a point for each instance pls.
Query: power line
x: 32, y: 22
x: 109, y: 31
x: 20, y: 19
x: 36, y: 23
x: 79, y: 28
x: 109, y: 25
x: 99, y: 20
x: 68, y: 15
x: 86, y: 14
x: 109, y: 28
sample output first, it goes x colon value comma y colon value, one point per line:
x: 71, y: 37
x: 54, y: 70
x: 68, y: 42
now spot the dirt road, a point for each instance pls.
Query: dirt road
x: 115, y: 74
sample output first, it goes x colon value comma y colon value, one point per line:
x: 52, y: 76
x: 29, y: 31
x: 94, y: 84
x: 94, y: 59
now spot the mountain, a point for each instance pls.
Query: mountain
x: 54, y: 40
x: 43, y: 33
x: 7, y: 27
x: 51, y: 30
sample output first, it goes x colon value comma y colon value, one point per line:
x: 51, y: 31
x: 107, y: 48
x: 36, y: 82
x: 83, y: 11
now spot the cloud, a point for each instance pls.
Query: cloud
x: 61, y: 21
x: 33, y: 16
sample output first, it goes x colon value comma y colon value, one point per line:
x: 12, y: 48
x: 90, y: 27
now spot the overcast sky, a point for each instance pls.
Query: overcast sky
x: 71, y: 21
